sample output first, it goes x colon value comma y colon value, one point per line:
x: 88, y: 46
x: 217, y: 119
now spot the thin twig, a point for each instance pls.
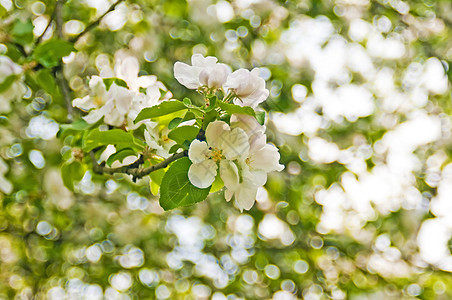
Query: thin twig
x: 136, y: 172
x: 95, y: 23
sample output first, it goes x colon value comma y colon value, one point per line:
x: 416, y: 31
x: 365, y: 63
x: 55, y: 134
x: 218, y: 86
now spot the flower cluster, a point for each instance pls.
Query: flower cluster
x: 11, y: 83
x: 245, y: 87
x: 242, y: 155
x: 120, y: 105
x: 238, y: 152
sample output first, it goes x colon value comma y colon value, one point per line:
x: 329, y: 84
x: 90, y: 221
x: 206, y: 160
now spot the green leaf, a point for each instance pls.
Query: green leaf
x: 210, y: 117
x: 22, y: 32
x: 3, y: 11
x: 183, y: 133
x: 109, y: 81
x: 212, y: 102
x: 174, y: 122
x: 164, y: 108
x: 49, y: 54
x: 156, y: 178
x: 72, y: 172
x: 174, y: 148
x: 218, y: 184
x: 189, y: 116
x: 46, y: 81
x: 236, y: 109
x: 7, y: 82
x: 122, y: 139
x: 120, y: 155
x: 79, y: 125
x: 260, y: 117
x: 176, y: 189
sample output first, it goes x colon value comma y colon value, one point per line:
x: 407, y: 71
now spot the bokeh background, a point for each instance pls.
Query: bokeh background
x: 359, y: 107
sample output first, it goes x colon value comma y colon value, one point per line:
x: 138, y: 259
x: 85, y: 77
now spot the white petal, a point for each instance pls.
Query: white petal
x: 267, y: 159
x: 97, y: 86
x: 202, y: 175
x: 197, y: 60
x: 228, y: 195
x: 187, y: 75
x: 94, y: 116
x: 213, y: 132
x: 198, y: 151
x: 245, y: 195
x: 86, y: 103
x: 234, y: 143
x: 229, y: 173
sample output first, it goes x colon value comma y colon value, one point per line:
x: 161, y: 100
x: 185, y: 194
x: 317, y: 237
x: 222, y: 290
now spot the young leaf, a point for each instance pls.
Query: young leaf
x: 164, y: 108
x: 236, y: 109
x: 97, y: 138
x: 212, y: 102
x: 183, y: 133
x: 79, y: 125
x: 109, y: 81
x: 71, y: 172
x: 49, y: 54
x: 46, y: 80
x: 174, y: 122
x: 120, y: 155
x: 260, y: 117
x: 176, y: 189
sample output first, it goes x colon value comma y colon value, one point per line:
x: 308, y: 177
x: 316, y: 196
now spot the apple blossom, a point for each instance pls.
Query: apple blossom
x: 157, y: 139
x: 262, y: 158
x: 248, y: 87
x: 204, y: 71
x: 223, y: 145
x: 113, y: 104
x: 16, y: 89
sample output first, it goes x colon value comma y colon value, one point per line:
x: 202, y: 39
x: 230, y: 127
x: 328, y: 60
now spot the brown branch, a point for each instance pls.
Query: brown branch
x: 95, y: 23
x: 136, y: 172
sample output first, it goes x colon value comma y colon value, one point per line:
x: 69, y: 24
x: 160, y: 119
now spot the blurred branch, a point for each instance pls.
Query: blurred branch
x: 59, y: 17
x: 95, y: 23
x: 133, y: 169
x: 65, y: 91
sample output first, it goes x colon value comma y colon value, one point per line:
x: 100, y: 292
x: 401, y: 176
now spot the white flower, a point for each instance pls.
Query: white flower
x: 120, y: 105
x: 262, y: 158
x: 128, y: 68
x: 157, y: 139
x: 222, y: 146
x: 17, y: 89
x: 248, y: 87
x: 113, y: 104
x: 204, y: 71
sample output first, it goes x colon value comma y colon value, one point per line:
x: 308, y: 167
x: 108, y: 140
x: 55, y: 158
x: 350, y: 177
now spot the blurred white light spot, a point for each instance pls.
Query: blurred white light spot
x: 272, y: 272
x: 162, y: 292
x: 301, y: 266
x: 43, y: 228
x: 273, y: 228
x: 148, y: 277
x: 224, y: 11
x: 299, y: 92
x: 121, y: 281
x: 37, y: 159
x: 73, y: 27
x: 93, y: 253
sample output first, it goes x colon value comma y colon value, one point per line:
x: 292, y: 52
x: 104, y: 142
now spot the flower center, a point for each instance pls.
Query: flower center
x: 216, y: 155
